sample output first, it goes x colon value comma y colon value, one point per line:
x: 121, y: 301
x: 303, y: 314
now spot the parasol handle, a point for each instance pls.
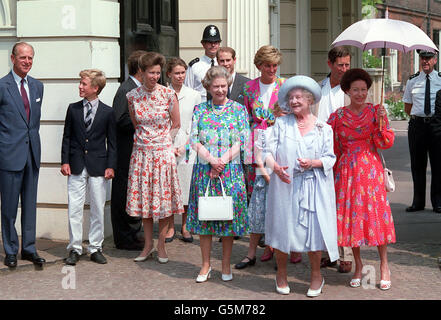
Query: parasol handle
x: 382, y: 86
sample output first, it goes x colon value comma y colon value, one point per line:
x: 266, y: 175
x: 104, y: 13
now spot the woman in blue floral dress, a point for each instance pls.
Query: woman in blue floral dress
x: 219, y: 134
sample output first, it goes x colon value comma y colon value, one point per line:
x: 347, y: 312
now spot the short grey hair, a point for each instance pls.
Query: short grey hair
x: 21, y: 44
x: 216, y: 72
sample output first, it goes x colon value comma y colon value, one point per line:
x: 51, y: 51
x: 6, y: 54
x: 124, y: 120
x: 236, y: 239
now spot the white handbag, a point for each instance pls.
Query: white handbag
x: 389, y: 182
x: 215, y: 208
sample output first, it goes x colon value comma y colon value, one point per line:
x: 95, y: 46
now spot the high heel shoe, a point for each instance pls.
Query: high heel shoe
x: 204, y: 277
x: 284, y: 290
x: 267, y: 256
x: 162, y: 260
x: 227, y: 277
x: 385, y: 284
x: 315, y: 293
x: 144, y: 258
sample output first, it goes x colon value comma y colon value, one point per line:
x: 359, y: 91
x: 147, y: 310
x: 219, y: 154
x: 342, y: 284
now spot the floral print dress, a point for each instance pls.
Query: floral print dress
x: 363, y: 213
x: 218, y: 133
x: 153, y: 189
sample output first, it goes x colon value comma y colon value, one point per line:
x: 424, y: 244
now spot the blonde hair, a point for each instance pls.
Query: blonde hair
x: 267, y: 54
x: 216, y: 72
x: 97, y: 78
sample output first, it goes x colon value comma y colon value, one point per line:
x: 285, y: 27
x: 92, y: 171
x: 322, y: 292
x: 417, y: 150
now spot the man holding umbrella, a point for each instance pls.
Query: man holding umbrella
x: 419, y: 104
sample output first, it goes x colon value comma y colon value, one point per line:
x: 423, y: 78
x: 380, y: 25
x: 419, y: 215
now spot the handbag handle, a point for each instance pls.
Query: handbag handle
x: 382, y: 158
x: 222, y: 186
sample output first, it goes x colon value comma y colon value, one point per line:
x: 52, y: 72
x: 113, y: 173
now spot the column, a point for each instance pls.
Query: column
x: 303, y: 43
x: 248, y: 30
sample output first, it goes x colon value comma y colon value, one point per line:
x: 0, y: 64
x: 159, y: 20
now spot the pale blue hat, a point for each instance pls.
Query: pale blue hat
x: 302, y: 82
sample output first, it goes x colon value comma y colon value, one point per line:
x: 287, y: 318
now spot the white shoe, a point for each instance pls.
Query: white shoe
x: 284, y: 290
x: 315, y: 293
x: 144, y: 258
x: 385, y: 284
x: 227, y: 277
x: 162, y: 260
x: 355, y: 283
x: 204, y: 277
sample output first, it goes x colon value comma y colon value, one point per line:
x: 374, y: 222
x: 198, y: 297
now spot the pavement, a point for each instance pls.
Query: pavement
x: 415, y: 271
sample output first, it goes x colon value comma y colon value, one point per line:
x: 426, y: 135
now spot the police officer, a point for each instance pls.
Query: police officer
x: 419, y: 104
x: 198, y: 67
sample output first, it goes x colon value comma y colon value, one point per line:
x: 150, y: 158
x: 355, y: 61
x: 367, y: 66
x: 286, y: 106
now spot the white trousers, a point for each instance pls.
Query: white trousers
x: 77, y: 186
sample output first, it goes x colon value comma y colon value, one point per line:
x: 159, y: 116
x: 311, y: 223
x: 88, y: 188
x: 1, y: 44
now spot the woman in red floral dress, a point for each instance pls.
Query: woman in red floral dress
x: 363, y: 213
x: 153, y: 191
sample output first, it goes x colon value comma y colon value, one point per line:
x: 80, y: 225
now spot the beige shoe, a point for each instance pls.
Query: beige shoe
x: 144, y: 258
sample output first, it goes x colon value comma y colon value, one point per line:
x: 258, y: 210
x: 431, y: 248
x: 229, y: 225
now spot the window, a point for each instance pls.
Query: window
x: 393, y: 54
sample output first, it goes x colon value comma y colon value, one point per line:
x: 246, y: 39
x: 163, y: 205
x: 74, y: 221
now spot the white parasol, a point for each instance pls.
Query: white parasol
x: 385, y: 33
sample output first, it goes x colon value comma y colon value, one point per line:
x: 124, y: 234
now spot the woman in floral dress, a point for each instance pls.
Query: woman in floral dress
x: 364, y: 216
x: 153, y: 191
x: 219, y: 134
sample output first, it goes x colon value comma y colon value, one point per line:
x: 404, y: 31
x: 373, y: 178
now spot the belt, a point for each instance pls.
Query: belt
x: 422, y: 119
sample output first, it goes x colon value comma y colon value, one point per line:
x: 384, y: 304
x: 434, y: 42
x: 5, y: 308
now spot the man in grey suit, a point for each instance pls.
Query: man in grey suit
x: 20, y: 152
x: 226, y: 57
x: 125, y: 228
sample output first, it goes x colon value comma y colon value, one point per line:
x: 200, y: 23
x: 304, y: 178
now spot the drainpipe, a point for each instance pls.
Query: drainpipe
x: 429, y: 32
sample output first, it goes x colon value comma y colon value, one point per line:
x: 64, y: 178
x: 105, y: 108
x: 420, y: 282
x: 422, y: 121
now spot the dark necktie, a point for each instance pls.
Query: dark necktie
x: 212, y: 62
x: 228, y: 93
x: 427, y: 96
x: 24, y: 96
x: 88, y: 118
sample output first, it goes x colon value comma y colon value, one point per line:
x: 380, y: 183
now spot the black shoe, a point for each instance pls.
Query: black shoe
x: 168, y: 240
x: 186, y: 239
x: 262, y: 242
x: 134, y: 246
x: 413, y: 208
x: 11, y: 260
x: 98, y: 257
x: 73, y: 258
x: 437, y: 209
x: 33, y: 257
x: 244, y: 264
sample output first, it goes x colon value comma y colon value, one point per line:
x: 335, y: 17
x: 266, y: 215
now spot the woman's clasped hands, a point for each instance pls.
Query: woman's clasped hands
x: 217, y: 166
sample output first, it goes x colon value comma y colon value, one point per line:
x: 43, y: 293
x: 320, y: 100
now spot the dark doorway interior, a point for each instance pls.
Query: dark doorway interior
x: 150, y: 25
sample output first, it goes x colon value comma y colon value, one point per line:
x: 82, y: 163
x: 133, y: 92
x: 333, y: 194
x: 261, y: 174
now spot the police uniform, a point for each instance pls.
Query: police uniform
x: 422, y: 142
x: 198, y: 67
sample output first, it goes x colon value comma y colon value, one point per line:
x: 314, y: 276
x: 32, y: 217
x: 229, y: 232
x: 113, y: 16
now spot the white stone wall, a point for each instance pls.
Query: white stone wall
x: 68, y: 36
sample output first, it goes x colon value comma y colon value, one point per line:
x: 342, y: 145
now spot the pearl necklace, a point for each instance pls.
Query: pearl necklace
x: 303, y: 124
x: 220, y: 111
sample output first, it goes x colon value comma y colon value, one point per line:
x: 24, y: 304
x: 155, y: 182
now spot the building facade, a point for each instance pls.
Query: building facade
x: 71, y: 35
x: 426, y: 14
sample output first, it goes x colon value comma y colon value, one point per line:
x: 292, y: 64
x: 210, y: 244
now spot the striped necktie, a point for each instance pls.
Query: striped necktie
x: 88, y: 118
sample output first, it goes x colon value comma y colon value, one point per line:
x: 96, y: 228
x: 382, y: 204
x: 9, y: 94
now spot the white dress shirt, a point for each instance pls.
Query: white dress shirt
x: 414, y: 92
x: 196, y: 73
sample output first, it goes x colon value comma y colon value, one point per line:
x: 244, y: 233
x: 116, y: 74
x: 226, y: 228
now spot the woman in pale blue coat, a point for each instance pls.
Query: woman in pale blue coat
x: 301, y: 214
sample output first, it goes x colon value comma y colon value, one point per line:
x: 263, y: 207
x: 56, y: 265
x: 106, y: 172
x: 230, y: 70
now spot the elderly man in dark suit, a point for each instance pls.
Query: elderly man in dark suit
x: 20, y: 152
x: 125, y: 227
x: 226, y: 57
